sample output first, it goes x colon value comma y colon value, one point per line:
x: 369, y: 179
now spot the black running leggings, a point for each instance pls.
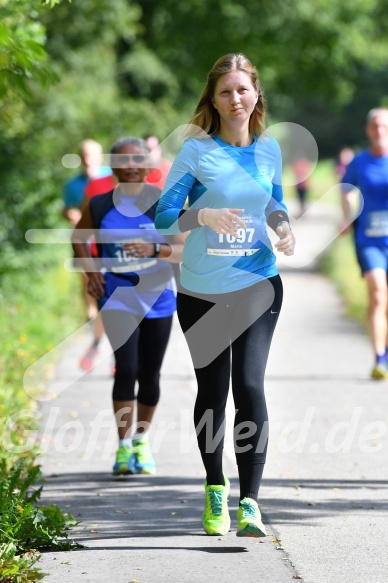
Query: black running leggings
x: 229, y: 335
x: 139, y: 347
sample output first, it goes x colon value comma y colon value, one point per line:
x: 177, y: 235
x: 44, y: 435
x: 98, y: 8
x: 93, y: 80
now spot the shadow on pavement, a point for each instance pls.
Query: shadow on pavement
x: 139, y: 507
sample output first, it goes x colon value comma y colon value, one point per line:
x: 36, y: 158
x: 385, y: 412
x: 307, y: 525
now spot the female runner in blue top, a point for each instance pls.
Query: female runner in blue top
x: 135, y: 287
x: 231, y: 292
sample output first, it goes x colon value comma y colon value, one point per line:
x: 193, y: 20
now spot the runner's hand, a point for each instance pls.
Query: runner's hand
x: 95, y: 284
x: 224, y: 221
x: 286, y: 244
x: 140, y: 248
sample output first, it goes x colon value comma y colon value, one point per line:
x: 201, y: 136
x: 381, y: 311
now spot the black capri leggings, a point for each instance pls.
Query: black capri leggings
x: 230, y: 335
x: 139, y: 346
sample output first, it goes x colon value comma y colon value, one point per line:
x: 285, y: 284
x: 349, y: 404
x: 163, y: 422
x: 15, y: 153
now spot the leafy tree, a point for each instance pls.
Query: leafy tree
x: 132, y: 67
x: 22, y: 47
x: 302, y: 48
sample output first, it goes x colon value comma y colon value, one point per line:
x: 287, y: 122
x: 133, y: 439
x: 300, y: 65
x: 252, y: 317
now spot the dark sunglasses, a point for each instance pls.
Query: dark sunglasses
x: 123, y: 159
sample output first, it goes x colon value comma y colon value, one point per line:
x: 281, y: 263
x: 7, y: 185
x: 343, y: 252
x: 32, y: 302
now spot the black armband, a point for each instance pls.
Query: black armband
x: 188, y: 219
x: 276, y: 218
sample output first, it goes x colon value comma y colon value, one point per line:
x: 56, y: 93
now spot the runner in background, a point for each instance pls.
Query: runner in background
x: 345, y: 156
x: 136, y: 295
x: 302, y: 168
x: 368, y: 171
x: 74, y: 192
x: 160, y: 167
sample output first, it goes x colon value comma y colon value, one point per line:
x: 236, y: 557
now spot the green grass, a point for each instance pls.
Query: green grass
x: 340, y: 265
x: 339, y: 261
x: 41, y: 306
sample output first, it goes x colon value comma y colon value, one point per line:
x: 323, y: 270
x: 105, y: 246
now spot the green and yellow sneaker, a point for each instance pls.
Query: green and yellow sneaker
x: 215, y: 517
x: 249, y: 519
x: 143, y: 458
x: 124, y: 461
x: 379, y: 372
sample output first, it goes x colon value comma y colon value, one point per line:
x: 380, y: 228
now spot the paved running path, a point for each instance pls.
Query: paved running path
x: 325, y: 490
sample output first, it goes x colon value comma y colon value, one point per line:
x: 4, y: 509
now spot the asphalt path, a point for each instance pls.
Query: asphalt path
x: 324, y: 496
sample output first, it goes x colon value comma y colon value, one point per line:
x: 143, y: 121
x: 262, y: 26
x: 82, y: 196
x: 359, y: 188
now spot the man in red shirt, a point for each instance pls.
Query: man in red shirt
x: 160, y: 167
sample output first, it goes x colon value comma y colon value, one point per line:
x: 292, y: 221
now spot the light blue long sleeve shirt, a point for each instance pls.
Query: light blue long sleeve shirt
x: 211, y: 173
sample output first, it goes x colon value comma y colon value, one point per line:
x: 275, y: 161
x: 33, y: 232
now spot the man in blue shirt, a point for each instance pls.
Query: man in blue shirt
x: 74, y: 191
x: 368, y: 171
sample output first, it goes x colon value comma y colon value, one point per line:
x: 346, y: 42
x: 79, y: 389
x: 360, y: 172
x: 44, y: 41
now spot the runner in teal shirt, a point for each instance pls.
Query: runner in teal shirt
x: 225, y: 188
x: 214, y: 174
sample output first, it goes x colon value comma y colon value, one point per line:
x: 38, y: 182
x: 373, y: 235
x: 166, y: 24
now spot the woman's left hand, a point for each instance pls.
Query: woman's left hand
x: 286, y: 244
x: 140, y: 248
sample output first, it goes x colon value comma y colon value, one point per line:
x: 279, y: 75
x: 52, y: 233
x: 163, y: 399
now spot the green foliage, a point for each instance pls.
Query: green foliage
x: 133, y: 68
x: 18, y: 568
x: 24, y: 523
x: 32, y: 328
x: 22, y: 51
x: 301, y: 48
x: 340, y: 264
x: 77, y: 25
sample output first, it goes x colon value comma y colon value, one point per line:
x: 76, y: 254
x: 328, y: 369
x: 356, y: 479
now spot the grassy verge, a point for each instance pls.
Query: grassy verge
x: 340, y: 265
x: 339, y: 261
x: 37, y: 314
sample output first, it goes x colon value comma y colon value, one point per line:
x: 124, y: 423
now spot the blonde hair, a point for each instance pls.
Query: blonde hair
x: 206, y: 118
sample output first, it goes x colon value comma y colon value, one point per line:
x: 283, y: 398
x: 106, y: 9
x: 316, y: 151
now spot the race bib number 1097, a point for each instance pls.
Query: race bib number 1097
x: 246, y: 243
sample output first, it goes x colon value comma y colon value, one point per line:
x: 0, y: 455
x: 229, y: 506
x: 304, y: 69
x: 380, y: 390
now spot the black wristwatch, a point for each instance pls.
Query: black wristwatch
x: 157, y: 250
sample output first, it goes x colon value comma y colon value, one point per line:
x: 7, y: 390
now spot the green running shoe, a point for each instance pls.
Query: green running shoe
x: 249, y: 519
x: 124, y: 461
x: 379, y: 372
x: 215, y: 517
x: 143, y: 459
